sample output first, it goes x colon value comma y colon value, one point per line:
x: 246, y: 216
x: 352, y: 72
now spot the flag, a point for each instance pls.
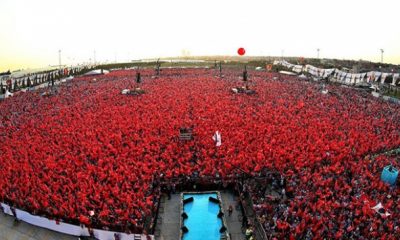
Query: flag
x: 91, y: 213
x: 379, y: 209
x: 217, y: 138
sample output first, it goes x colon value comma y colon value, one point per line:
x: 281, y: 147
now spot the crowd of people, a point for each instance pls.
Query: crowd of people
x: 328, y: 202
x: 90, y: 155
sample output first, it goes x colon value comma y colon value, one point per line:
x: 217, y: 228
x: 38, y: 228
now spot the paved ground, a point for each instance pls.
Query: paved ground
x: 168, y: 221
x: 24, y: 231
x: 234, y: 221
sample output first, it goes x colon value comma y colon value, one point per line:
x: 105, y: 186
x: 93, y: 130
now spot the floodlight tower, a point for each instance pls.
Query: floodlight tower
x: 318, y: 53
x: 59, y: 59
x: 94, y: 57
x: 382, y: 55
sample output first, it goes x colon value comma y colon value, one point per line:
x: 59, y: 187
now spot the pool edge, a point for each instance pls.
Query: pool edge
x: 227, y: 236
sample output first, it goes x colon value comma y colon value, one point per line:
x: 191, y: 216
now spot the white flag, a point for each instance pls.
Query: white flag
x: 217, y: 138
x: 379, y: 209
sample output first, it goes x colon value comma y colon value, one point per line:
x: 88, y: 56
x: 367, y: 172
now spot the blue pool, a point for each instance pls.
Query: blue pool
x: 202, y: 221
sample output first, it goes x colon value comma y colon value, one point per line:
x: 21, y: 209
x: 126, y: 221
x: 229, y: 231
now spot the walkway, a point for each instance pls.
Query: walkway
x: 24, y: 231
x: 234, y: 221
x: 168, y: 222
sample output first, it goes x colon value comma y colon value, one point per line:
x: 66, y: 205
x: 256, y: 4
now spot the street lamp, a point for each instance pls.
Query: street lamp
x: 59, y: 59
x: 94, y: 57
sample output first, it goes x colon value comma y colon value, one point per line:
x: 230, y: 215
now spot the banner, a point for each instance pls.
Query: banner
x: 338, y: 75
x: 69, y: 228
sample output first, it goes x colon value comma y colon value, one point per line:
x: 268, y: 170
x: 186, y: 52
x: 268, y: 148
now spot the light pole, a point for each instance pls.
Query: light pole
x: 59, y: 59
x: 382, y: 55
x: 318, y: 53
x: 94, y: 57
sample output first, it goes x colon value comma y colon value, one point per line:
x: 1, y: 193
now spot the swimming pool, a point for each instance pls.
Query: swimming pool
x: 202, y: 219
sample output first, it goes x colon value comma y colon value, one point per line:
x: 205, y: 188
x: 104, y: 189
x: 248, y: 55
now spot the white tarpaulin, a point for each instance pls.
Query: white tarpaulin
x: 338, y: 75
x: 343, y: 77
x: 335, y: 75
x: 395, y: 77
x: 384, y: 76
x: 348, y: 78
x: 297, y: 68
x: 97, y: 72
x: 373, y: 76
x: 353, y: 78
x: 287, y: 64
x: 363, y: 75
x: 314, y: 71
x: 328, y: 72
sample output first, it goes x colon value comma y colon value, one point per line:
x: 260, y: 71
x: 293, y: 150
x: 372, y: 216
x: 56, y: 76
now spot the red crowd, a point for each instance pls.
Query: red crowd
x: 326, y: 201
x: 89, y: 154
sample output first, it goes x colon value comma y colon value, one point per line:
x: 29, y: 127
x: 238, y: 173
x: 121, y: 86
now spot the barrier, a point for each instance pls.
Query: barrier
x: 67, y: 228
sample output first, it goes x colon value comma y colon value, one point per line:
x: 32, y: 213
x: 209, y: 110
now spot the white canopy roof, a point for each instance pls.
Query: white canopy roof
x: 97, y: 72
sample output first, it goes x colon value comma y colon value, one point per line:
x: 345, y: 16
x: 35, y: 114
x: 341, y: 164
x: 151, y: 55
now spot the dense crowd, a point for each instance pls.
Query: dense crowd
x: 331, y: 202
x: 89, y: 154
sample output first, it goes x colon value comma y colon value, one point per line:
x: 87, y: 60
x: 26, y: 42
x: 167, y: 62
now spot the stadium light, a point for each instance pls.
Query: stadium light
x: 382, y: 55
x: 59, y: 59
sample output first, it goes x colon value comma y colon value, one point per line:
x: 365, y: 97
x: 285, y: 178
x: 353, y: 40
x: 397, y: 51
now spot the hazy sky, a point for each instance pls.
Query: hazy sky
x: 32, y: 32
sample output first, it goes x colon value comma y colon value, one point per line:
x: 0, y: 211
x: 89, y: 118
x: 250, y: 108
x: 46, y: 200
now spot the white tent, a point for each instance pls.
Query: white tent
x: 288, y: 73
x: 97, y: 72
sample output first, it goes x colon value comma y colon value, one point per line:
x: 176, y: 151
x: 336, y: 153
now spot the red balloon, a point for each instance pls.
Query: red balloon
x: 241, y: 51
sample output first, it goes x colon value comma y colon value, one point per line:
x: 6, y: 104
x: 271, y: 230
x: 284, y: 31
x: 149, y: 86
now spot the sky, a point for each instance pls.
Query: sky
x: 33, y: 32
